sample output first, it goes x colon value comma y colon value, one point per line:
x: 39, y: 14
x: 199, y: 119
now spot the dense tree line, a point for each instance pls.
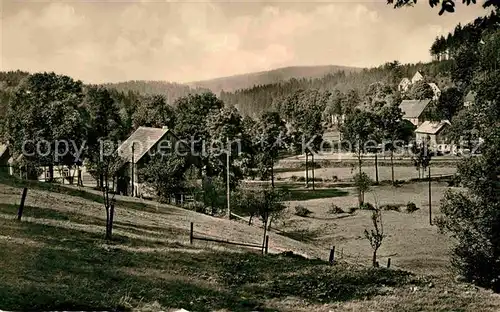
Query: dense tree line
x: 253, y: 101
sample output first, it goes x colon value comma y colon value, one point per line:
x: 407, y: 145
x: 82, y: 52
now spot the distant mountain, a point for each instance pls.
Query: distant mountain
x: 244, y: 81
x: 170, y: 90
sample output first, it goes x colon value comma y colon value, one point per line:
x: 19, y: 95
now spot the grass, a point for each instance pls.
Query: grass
x: 56, y: 259
x: 64, y: 269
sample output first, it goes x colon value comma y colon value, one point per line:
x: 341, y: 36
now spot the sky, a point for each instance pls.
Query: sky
x: 183, y: 41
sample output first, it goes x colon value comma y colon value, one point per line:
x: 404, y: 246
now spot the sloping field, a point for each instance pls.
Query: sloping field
x: 56, y: 259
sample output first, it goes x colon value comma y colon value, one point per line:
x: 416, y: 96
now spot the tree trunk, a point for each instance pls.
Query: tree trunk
x: 272, y: 175
x: 51, y: 173
x: 250, y: 219
x: 307, y: 170
x: 312, y: 162
x: 376, y: 168
x: 374, y: 259
x: 266, y: 216
x: 392, y: 166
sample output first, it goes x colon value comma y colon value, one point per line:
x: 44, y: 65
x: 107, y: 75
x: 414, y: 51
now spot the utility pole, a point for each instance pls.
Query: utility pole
x: 228, y: 181
x: 132, y: 178
x: 430, y: 197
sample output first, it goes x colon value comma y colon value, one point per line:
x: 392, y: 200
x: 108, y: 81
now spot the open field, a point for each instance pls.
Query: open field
x: 384, y: 173
x: 412, y: 243
x: 55, y: 258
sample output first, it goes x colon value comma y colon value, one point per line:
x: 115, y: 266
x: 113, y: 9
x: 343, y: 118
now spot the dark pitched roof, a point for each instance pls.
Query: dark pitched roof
x: 413, y: 108
x: 144, y: 138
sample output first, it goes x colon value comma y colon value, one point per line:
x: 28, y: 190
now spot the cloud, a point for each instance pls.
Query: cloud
x: 186, y: 41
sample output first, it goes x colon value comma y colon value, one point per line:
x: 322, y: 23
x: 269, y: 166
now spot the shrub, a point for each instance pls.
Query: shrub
x: 411, y: 207
x: 367, y: 206
x: 278, y: 178
x: 391, y: 207
x: 353, y: 210
x: 334, y: 209
x: 293, y: 178
x: 335, y: 178
x: 302, y: 211
x: 301, y: 179
x: 196, y: 206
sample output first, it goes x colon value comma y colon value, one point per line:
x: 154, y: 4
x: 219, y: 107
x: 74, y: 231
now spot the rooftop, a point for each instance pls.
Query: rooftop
x: 413, y: 108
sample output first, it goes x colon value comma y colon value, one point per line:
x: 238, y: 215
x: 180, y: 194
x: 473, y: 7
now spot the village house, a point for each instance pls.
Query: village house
x: 413, y: 110
x: 417, y: 77
x: 137, y: 150
x: 470, y: 99
x: 436, y: 90
x: 404, y: 85
x: 434, y: 132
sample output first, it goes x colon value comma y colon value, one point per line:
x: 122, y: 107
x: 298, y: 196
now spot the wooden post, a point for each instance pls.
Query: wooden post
x: 228, y: 182
x: 332, y: 256
x: 21, y: 206
x: 267, y: 245
x: 388, y: 263
x: 191, y: 234
x: 132, y: 175
x: 430, y: 198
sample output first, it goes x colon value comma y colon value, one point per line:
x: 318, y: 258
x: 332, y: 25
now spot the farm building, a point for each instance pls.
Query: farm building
x: 434, y: 132
x: 137, y: 150
x: 413, y: 109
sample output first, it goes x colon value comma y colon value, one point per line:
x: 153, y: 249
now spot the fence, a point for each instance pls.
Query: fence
x: 264, y: 247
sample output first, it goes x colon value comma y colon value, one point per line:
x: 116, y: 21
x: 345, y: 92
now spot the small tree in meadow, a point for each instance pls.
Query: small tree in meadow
x: 363, y: 184
x: 376, y: 235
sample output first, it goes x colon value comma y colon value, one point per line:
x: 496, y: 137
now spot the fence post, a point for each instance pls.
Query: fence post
x: 332, y: 256
x: 191, y: 234
x: 267, y: 244
x: 21, y: 206
x: 389, y: 263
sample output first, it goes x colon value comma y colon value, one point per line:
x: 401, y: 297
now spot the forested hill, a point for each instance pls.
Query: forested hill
x: 170, y: 90
x: 252, y: 101
x: 233, y: 83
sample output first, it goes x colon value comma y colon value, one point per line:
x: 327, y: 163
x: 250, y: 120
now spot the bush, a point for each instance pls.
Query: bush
x: 353, y: 210
x: 391, y: 207
x: 335, y: 178
x: 301, y: 179
x: 302, y: 211
x: 367, y: 206
x: 334, y: 209
x: 196, y: 206
x: 411, y: 207
x: 278, y: 178
x: 293, y: 178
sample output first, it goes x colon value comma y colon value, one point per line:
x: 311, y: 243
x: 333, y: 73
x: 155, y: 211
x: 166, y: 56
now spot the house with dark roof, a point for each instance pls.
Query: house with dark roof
x: 413, y: 110
x: 137, y: 150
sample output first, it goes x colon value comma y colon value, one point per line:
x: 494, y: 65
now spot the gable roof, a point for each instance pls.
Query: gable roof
x: 471, y: 96
x: 432, y: 127
x: 144, y: 138
x: 413, y: 108
x: 418, y: 76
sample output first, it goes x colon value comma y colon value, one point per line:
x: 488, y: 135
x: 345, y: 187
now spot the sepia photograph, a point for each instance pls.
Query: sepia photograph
x: 250, y: 155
